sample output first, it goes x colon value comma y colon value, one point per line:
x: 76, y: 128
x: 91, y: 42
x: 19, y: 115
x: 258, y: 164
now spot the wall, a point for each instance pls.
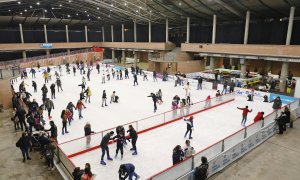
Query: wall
x: 5, y: 93
x: 191, y: 66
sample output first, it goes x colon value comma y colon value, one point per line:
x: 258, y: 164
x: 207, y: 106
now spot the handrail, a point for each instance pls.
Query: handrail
x: 216, y: 143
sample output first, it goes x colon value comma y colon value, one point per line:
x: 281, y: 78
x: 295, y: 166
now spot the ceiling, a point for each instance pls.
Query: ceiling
x: 87, y: 12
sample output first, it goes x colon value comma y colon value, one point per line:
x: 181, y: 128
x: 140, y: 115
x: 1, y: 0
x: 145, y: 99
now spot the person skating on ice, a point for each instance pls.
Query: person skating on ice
x: 104, y: 97
x: 245, y: 114
x: 83, y: 80
x: 81, y: 95
x: 64, y: 119
x: 199, y: 86
x: 145, y: 76
x: 189, y: 126
x: 113, y: 73
x: 218, y: 96
x: 135, y: 80
x: 32, y: 71
x: 82, y: 85
x: 207, y: 102
x: 56, y: 74
x: 88, y: 93
x: 71, y: 108
x: 88, y: 74
x: 154, y: 99
x: 49, y: 106
x: 98, y: 68
x: 112, y: 97
x: 103, y: 79
x: 79, y: 107
x: 104, y: 147
x: 108, y: 76
x: 259, y: 117
x: 126, y: 73
x: 59, y: 85
x: 74, y: 70
x: 178, y: 155
x: 87, y: 133
x: 127, y: 171
x: 34, y: 85
x: 133, y: 136
x: 69, y: 116
x: 121, y: 75
x: 154, y: 76
x: 120, y: 143
x: 159, y: 96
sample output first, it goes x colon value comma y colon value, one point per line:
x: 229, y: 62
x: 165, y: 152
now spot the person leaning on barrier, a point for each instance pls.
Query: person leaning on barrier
x: 201, y: 172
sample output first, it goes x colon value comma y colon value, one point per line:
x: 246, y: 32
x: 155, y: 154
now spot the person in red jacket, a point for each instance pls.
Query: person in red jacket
x: 80, y: 106
x: 245, y: 114
x: 259, y: 116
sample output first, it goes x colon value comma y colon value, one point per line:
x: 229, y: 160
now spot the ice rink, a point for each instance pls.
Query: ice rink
x: 134, y: 103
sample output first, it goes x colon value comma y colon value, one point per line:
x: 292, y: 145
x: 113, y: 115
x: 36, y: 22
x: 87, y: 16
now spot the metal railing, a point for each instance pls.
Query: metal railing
x: 184, y: 170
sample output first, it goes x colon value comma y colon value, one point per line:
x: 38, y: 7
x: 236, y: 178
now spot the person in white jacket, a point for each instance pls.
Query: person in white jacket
x: 188, y: 149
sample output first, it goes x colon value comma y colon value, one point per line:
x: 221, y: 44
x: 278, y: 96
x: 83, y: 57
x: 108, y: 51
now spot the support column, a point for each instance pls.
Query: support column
x: 67, y: 38
x: 243, y: 62
x: 113, y: 58
x: 285, y: 65
x: 123, y: 40
x: 135, y: 40
x: 86, y: 34
x: 46, y: 39
x: 167, y: 30
x: 212, y: 59
x: 269, y: 66
x: 188, y: 30
x: 103, y: 34
x: 22, y: 41
x: 149, y: 31
x: 135, y: 58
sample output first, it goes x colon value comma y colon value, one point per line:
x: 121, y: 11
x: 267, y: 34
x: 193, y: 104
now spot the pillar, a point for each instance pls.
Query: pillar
x: 188, y: 30
x: 22, y: 41
x: 123, y: 40
x: 167, y: 30
x: 285, y: 65
x: 246, y: 34
x: 135, y: 40
x: 269, y: 66
x: 149, y: 31
x: 212, y: 59
x: 46, y: 39
x: 135, y: 58
x: 67, y: 38
x: 86, y: 34
x: 113, y: 58
x: 103, y: 34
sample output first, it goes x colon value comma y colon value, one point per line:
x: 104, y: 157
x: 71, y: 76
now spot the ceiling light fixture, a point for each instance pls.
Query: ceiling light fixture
x: 38, y: 3
x: 76, y: 14
x: 45, y: 10
x: 19, y: 2
x: 60, y: 5
x: 30, y: 7
x: 25, y: 10
x: 179, y: 3
x: 98, y: 8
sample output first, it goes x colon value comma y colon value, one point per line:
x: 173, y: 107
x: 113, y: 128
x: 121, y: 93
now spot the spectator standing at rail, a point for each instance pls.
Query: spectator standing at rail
x: 79, y: 107
x: 87, y: 133
x: 104, y: 147
x: 245, y: 114
x: 127, y: 170
x: 188, y: 149
x: 178, y: 155
x: 201, y: 172
x: 24, y: 144
x: 133, y: 136
x: 189, y: 126
x: 53, y: 131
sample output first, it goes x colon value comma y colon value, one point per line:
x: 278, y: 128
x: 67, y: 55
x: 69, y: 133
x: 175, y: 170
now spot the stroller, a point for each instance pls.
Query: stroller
x: 39, y: 140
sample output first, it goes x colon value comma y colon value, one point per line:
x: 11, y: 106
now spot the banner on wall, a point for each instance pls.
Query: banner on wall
x: 97, y: 49
x: 284, y: 99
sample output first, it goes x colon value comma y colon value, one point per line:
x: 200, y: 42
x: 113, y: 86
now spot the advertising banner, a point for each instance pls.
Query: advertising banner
x: 284, y: 99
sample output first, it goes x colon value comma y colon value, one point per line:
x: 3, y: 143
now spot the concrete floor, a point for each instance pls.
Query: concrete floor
x: 11, y: 165
x: 276, y: 159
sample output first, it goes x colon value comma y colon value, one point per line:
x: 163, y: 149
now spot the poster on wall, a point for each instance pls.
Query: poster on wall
x: 297, y: 88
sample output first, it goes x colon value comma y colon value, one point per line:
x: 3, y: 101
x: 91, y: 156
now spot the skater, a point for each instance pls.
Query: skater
x: 49, y: 106
x: 126, y: 73
x: 113, y: 97
x: 98, y: 68
x: 79, y: 107
x: 87, y: 133
x: 120, y: 142
x: 32, y: 71
x: 127, y: 170
x: 201, y: 172
x: 81, y: 96
x: 154, y: 76
x: 259, y: 117
x: 52, y: 89
x: 133, y: 136
x: 178, y: 155
x: 188, y: 149
x: 200, y: 80
x: 69, y: 116
x: 207, y: 102
x: 88, y: 74
x: 154, y: 99
x: 83, y: 80
x: 159, y: 96
x: 145, y: 76
x: 266, y: 99
x: 103, y: 79
x: 56, y: 74
x: 58, y: 83
x: 224, y: 87
x: 34, y: 85
x: 46, y: 76
x: 104, y: 97
x: 74, y: 70
x: 108, y: 77
x: 121, y: 75
x: 189, y: 126
x: 231, y: 86
x: 182, y: 107
x: 88, y: 94
x: 113, y: 73
x: 104, y: 147
x: 70, y: 107
x: 218, y: 96
x: 135, y: 80
x: 245, y: 113
x: 64, y: 118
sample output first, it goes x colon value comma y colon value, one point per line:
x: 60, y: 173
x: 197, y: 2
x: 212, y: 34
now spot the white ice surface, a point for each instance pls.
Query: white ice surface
x: 155, y: 147
x: 134, y: 103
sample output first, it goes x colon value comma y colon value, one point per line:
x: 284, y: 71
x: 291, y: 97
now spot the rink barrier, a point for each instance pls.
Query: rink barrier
x: 226, y: 151
x: 77, y: 146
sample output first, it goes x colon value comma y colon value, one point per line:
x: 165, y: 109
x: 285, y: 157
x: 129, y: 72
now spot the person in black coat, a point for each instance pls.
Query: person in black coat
x: 154, y: 99
x: 52, y: 89
x: 135, y: 80
x: 286, y: 114
x: 21, y: 115
x: 126, y: 73
x: 104, y: 97
x: 34, y: 85
x: 178, y: 154
x: 120, y: 142
x: 71, y: 106
x: 53, y: 130
x: 24, y: 144
x: 133, y: 136
x: 104, y: 146
x: 87, y: 133
x: 98, y: 68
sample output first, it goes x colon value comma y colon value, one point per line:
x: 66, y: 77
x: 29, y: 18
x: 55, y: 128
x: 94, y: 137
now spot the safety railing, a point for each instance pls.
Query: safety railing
x: 227, y: 150
x: 79, y: 146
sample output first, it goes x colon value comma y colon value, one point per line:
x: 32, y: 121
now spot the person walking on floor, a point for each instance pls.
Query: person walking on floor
x: 201, y: 172
x: 189, y: 126
x: 24, y: 144
x: 133, y: 136
x: 21, y: 113
x: 127, y: 171
x: 104, y: 147
x: 245, y: 114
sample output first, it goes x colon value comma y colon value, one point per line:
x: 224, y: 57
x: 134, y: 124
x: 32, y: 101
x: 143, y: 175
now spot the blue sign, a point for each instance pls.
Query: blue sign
x: 47, y: 45
x: 284, y: 99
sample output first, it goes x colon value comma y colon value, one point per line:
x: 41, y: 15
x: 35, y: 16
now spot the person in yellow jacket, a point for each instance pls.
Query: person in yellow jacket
x: 46, y: 76
x: 88, y: 93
